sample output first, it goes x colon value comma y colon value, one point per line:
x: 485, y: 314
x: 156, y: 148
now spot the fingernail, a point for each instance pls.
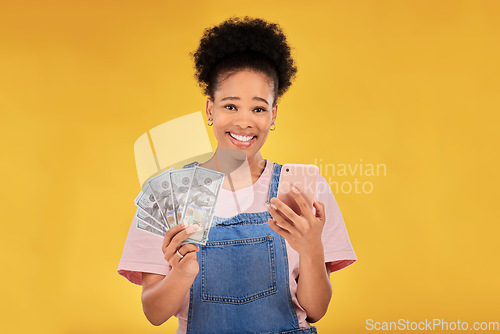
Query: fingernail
x: 192, y: 228
x: 184, y: 224
x: 295, y: 190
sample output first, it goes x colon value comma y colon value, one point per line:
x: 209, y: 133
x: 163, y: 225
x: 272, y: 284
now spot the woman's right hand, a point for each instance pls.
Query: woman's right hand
x: 187, y: 265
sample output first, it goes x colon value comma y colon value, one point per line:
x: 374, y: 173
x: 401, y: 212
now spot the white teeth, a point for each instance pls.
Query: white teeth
x: 240, y: 138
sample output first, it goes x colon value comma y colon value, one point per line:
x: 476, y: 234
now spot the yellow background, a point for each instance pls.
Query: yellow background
x: 409, y: 84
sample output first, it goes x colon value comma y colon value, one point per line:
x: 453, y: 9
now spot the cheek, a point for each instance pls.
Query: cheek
x: 221, y: 118
x: 264, y: 124
x: 218, y: 132
x: 219, y: 127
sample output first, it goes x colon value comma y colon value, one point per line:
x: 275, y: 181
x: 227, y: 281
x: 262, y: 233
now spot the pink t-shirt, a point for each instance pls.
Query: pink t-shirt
x: 142, y: 251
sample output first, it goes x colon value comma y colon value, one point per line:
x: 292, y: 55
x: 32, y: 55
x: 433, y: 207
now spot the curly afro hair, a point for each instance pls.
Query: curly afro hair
x: 244, y: 43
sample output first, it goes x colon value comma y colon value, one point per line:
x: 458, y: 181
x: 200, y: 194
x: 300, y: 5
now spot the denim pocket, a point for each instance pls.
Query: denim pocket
x: 238, y: 271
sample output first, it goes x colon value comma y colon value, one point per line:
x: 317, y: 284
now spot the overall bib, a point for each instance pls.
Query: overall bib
x: 243, y: 286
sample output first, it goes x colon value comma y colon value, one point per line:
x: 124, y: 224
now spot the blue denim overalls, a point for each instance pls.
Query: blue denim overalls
x: 242, y: 286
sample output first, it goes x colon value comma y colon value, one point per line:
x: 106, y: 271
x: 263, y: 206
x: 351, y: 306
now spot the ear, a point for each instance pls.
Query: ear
x: 209, y: 108
x: 275, y: 112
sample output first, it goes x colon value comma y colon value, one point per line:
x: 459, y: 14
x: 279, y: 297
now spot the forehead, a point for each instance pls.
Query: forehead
x: 244, y: 83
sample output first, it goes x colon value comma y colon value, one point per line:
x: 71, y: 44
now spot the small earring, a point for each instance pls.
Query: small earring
x: 273, y: 128
x: 208, y: 122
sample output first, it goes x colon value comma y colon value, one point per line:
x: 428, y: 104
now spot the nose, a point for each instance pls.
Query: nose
x: 244, y: 119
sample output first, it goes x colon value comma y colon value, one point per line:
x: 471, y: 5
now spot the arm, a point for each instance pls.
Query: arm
x: 303, y: 233
x: 162, y: 296
x: 314, y: 290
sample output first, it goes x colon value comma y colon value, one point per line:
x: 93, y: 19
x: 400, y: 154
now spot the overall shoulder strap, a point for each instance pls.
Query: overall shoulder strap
x: 275, y: 179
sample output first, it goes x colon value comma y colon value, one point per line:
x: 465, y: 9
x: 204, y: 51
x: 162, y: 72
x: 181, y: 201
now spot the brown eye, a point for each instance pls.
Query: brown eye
x: 259, y: 109
x: 230, y: 107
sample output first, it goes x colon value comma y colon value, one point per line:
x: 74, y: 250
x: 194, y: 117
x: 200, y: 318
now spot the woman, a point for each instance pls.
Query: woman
x: 246, y: 278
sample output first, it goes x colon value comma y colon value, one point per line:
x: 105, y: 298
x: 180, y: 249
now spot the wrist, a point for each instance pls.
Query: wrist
x: 315, y: 255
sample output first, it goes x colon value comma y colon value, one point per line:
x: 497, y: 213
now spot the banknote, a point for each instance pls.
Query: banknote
x: 143, y: 215
x: 200, y: 202
x: 180, y: 180
x: 146, y: 201
x: 162, y: 192
x: 142, y: 225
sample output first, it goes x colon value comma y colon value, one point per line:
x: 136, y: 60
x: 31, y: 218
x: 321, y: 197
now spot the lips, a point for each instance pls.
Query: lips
x: 240, y: 139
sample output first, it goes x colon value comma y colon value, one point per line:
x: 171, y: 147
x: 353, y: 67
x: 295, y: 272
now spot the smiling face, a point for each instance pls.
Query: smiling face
x: 242, y: 111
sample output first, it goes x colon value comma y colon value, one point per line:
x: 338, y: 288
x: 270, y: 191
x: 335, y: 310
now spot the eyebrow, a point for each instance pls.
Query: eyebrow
x: 237, y: 98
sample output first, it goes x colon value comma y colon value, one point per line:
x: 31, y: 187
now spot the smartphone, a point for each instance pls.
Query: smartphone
x: 302, y: 177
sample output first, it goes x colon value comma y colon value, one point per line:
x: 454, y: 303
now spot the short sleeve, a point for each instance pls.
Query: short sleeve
x: 336, y: 244
x: 142, y: 253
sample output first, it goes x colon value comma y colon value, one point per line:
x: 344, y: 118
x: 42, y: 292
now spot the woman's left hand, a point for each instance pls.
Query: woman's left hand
x: 303, y: 232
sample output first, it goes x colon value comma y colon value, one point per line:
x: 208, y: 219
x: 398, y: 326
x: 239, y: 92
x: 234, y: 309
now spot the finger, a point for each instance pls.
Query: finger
x: 278, y: 229
x: 172, y: 232
x: 180, y: 253
x: 186, y: 257
x: 284, y: 209
x: 280, y: 220
x: 172, y: 259
x: 320, y: 211
x: 187, y: 248
x: 177, y: 257
x: 301, y: 201
x: 177, y: 240
x: 191, y: 256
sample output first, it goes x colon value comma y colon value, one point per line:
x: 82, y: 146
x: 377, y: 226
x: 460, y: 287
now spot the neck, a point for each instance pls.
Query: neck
x: 237, y: 173
x: 257, y: 165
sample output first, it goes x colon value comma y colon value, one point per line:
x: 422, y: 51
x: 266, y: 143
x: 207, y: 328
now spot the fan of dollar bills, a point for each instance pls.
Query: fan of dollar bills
x: 174, y: 196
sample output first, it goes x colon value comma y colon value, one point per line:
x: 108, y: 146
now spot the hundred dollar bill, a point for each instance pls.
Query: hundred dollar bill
x: 180, y: 180
x: 142, y: 215
x: 146, y: 201
x: 201, y: 200
x: 142, y: 225
x: 162, y: 192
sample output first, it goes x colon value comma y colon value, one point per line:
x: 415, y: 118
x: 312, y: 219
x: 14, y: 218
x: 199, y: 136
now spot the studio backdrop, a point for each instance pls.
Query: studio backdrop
x: 396, y: 102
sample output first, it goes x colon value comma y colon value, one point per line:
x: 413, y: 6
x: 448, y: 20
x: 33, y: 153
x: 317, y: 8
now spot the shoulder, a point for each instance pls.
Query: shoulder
x: 325, y: 195
x: 336, y: 242
x: 323, y: 190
